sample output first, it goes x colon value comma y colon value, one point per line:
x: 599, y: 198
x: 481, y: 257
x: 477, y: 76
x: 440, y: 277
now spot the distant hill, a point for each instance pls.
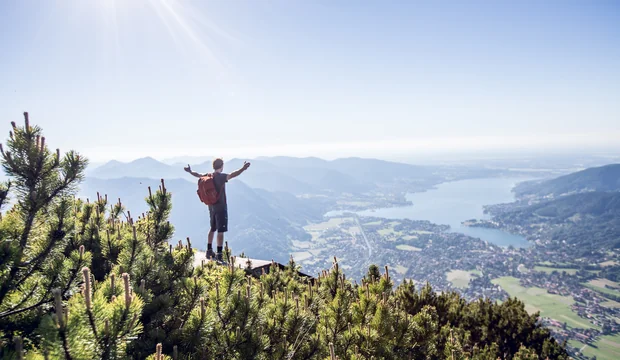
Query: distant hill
x: 264, y: 175
x: 141, y: 168
x: 584, y: 220
x: 108, y: 167
x: 603, y: 178
x: 187, y: 160
x: 372, y: 169
x: 295, y: 162
x: 262, y: 223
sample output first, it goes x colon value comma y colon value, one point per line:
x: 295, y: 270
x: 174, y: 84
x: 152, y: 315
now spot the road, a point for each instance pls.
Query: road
x: 357, y: 220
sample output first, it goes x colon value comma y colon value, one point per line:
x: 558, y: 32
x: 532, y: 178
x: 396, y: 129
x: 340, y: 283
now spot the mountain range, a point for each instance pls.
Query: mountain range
x: 602, y: 178
x: 585, y: 221
x: 308, y: 175
x: 293, y: 175
x: 581, y: 209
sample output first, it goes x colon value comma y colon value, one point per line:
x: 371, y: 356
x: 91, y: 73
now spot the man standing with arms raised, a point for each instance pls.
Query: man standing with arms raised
x: 218, y: 212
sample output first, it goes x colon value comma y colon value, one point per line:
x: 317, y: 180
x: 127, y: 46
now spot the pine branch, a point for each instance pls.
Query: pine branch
x: 4, y: 192
x: 12, y: 277
x: 195, y: 298
x: 74, y: 272
x: 65, y: 344
x: 56, y: 235
x: 87, y: 300
x: 62, y: 325
x: 18, y: 311
x: 43, y: 301
x: 134, y: 245
x: 23, y: 300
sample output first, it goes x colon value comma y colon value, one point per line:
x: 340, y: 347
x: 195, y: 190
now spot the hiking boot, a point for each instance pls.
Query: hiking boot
x: 210, y: 254
x: 220, y: 259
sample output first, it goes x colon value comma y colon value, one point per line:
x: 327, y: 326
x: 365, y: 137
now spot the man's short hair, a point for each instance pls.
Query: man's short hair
x: 218, y: 164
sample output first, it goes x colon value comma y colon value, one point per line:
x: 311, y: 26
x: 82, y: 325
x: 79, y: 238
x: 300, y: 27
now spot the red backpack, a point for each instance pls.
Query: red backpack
x: 207, y: 192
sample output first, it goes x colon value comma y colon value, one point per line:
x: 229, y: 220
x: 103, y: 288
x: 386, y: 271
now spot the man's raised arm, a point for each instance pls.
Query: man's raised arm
x: 189, y: 170
x: 236, y: 173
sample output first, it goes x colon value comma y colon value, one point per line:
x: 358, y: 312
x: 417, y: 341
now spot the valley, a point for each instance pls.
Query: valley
x: 559, y: 273
x: 576, y: 309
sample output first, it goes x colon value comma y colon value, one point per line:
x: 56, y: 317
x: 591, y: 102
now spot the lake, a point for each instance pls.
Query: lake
x: 451, y: 203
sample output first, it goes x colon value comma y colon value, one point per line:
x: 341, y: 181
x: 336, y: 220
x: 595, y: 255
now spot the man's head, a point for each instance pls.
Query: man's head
x: 218, y: 164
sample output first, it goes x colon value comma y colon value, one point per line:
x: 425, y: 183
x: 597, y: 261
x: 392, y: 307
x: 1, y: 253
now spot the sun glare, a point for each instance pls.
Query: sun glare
x: 190, y: 29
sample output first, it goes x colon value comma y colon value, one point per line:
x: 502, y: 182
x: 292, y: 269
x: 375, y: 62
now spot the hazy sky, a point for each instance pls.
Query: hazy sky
x: 125, y: 79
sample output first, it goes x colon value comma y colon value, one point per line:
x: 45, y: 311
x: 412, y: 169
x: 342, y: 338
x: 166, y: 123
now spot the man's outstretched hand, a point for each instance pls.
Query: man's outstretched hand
x: 188, y: 168
x: 238, y: 172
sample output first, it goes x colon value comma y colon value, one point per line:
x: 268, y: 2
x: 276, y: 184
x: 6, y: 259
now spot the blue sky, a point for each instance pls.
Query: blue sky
x: 125, y: 79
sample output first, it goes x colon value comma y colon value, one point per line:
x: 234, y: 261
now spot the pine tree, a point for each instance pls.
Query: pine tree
x: 51, y: 300
x: 36, y: 254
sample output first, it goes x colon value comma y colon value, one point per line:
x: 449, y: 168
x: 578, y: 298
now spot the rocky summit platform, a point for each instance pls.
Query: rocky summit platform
x: 255, y: 266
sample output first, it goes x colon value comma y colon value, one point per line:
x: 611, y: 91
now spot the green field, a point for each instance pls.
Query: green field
x: 389, y: 231
x: 543, y: 263
x: 401, y: 269
x: 301, y: 244
x: 408, y: 248
x: 353, y: 203
x: 354, y: 230
x: 607, y: 348
x: 373, y: 223
x: 537, y: 299
x: 611, y: 304
x: 331, y: 223
x: 549, y: 270
x: 315, y: 230
x: 301, y: 255
x: 459, y: 278
x: 600, y: 287
x: 601, y: 282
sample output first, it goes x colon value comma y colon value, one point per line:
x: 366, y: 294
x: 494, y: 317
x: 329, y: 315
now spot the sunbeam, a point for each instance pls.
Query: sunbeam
x: 192, y: 32
x: 174, y: 19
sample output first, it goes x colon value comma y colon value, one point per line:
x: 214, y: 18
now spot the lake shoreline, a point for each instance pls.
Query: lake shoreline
x: 452, y: 203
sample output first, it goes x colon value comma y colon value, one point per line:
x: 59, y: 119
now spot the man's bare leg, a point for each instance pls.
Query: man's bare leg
x: 220, y: 239
x: 210, y: 244
x: 220, y: 244
x: 210, y: 238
